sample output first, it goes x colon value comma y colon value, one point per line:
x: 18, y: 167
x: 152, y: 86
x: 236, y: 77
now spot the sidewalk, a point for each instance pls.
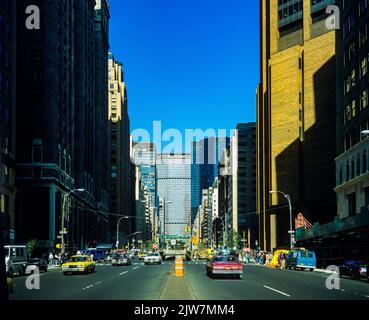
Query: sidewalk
x: 176, y: 288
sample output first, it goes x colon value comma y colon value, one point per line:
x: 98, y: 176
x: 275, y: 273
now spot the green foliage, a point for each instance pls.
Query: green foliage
x: 234, y: 239
x: 31, y: 245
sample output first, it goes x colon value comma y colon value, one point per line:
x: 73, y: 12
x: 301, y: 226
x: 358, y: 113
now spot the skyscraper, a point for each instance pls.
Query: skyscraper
x: 144, y: 157
x: 56, y: 150
x: 120, y: 149
x: 242, y: 215
x: 295, y: 116
x: 205, y: 157
x: 174, y: 188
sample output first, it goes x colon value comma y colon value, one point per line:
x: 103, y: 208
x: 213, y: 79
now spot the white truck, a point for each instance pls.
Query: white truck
x: 16, y: 259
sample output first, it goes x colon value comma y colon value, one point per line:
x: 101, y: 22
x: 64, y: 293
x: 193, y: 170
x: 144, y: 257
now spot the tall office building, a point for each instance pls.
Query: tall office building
x: 7, y: 119
x: 173, y: 183
x: 120, y: 150
x: 295, y: 116
x: 242, y: 214
x: 144, y: 157
x: 347, y: 234
x: 55, y: 132
x: 101, y: 101
x: 205, y: 157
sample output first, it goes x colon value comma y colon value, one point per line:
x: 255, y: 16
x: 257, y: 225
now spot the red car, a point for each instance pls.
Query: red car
x: 224, y: 265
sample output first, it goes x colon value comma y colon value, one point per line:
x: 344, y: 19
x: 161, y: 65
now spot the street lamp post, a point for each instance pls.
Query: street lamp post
x: 125, y: 217
x: 133, y: 238
x: 291, y: 232
x: 65, y: 197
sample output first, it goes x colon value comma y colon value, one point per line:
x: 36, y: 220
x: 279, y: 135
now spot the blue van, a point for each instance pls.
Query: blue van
x: 301, y: 259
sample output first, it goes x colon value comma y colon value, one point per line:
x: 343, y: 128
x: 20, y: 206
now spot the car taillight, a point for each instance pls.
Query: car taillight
x: 217, y: 267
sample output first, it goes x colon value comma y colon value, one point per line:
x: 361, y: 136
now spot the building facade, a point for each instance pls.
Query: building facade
x: 242, y: 216
x: 120, y: 152
x: 295, y: 116
x: 7, y: 119
x: 346, y: 236
x: 144, y: 157
x: 205, y: 157
x: 55, y: 72
x: 173, y: 183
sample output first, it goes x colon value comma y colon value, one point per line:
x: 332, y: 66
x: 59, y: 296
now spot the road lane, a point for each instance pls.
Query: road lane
x: 107, y: 282
x: 262, y: 283
x: 141, y: 282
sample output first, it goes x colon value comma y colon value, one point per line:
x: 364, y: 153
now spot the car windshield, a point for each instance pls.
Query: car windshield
x: 154, y: 254
x: 78, y: 259
x: 225, y: 259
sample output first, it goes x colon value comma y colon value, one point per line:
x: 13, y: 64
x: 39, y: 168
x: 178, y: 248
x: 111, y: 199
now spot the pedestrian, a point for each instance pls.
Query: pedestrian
x: 51, y: 258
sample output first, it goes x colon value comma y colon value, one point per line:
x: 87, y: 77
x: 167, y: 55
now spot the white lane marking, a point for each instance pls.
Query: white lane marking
x: 135, y: 268
x: 366, y: 296
x: 275, y: 290
x: 123, y: 273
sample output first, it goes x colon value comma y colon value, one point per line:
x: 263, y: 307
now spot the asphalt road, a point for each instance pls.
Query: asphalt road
x: 140, y: 282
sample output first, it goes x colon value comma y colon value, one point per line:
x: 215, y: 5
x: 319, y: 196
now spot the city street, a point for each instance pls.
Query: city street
x: 140, y: 282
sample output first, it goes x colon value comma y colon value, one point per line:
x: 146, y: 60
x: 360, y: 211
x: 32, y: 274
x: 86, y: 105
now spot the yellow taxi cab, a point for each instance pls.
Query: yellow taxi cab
x: 142, y: 255
x: 274, y: 263
x: 79, y: 264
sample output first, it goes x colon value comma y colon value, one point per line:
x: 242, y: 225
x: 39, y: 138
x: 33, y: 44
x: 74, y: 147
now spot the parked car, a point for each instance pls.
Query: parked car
x: 79, y: 264
x: 355, y: 269
x: 301, y: 259
x: 121, y: 260
x: 32, y: 264
x: 224, y: 265
x: 16, y: 259
x: 153, y: 258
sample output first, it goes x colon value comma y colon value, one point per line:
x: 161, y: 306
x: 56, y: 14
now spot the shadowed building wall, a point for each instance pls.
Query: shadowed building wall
x: 295, y: 116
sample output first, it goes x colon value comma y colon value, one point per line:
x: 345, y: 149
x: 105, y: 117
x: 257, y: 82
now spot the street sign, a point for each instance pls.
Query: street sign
x: 187, y: 228
x: 155, y: 246
x: 195, y: 240
x: 58, y: 246
x: 173, y: 242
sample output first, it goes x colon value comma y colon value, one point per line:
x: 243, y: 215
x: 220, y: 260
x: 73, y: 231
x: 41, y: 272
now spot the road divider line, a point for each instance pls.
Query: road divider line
x: 123, y: 273
x: 135, y: 268
x: 275, y: 290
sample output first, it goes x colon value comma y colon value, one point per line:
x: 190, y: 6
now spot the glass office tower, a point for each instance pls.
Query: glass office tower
x: 174, y: 189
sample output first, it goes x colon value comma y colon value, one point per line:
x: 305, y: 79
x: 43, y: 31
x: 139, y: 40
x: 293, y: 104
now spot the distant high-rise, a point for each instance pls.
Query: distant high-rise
x: 205, y: 157
x: 295, y: 116
x: 7, y: 118
x: 242, y: 205
x: 144, y: 157
x: 173, y: 182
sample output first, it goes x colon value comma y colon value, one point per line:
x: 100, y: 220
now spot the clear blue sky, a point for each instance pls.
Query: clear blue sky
x: 188, y: 63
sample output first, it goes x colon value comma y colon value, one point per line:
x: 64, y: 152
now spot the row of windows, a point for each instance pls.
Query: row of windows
x: 353, y: 168
x: 352, y: 108
x: 352, y: 18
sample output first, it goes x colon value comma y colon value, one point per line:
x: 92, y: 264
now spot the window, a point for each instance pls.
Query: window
x: 364, y: 99
x: 353, y: 108
x: 366, y: 190
x: 353, y: 78
x: 364, y: 67
x: 352, y: 204
x: 348, y: 113
x: 365, y: 163
x: 363, y: 34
